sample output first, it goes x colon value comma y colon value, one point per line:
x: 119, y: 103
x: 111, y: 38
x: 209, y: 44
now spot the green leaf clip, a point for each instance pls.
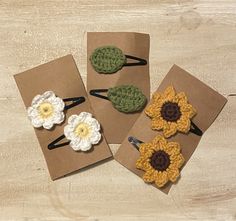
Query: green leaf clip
x: 124, y: 98
x: 110, y: 59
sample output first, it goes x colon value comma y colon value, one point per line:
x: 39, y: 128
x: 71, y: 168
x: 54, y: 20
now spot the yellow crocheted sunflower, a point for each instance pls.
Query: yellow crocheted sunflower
x: 161, y: 161
x: 170, y: 112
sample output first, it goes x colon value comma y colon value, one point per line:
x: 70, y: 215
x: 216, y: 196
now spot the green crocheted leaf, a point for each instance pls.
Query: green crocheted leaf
x: 107, y: 59
x: 127, y: 98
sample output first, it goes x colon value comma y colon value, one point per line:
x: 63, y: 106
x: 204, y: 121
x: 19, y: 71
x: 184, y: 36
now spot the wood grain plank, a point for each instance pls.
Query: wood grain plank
x: 199, y: 36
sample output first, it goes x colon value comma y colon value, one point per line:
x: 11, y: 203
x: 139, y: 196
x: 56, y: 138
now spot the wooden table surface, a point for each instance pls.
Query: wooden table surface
x: 199, y: 36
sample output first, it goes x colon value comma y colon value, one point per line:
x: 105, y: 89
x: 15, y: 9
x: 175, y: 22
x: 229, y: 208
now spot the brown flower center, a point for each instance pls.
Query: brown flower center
x: 160, y: 160
x: 170, y: 111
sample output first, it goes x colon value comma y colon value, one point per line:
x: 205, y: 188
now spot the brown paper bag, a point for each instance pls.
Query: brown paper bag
x: 62, y: 77
x: 207, y: 102
x: 116, y: 124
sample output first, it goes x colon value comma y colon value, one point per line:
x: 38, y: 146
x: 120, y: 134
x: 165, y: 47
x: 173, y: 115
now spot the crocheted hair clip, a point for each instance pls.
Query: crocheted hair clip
x: 47, y: 109
x: 171, y: 112
x: 124, y: 98
x: 81, y: 132
x: 110, y: 59
x: 160, y: 160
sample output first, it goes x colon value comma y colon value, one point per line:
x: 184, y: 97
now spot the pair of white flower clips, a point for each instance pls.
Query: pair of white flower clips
x: 82, y: 131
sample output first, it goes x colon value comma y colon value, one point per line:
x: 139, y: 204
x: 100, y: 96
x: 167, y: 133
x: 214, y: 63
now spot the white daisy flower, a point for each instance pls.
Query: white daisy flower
x: 83, y: 131
x: 46, y: 110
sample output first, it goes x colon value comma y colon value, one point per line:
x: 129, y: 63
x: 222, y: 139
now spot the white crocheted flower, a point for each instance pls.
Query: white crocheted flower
x: 83, y: 131
x: 46, y: 110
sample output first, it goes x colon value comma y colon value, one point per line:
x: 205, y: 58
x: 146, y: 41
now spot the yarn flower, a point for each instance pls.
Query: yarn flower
x: 170, y: 112
x: 161, y: 161
x: 46, y: 110
x: 83, y: 131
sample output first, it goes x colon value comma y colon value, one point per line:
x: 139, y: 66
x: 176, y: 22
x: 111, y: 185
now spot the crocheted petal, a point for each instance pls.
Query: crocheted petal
x: 169, y: 129
x: 49, y: 95
x: 187, y: 111
x: 173, y: 148
x: 143, y: 147
x: 183, y: 125
x: 149, y: 110
x: 83, y: 116
x: 32, y: 112
x: 186, y: 108
x: 181, y: 97
x: 75, y: 144
x: 37, y: 122
x: 149, y: 177
x: 36, y: 100
x: 169, y: 93
x: 87, y: 116
x: 157, y: 123
x: 156, y: 96
x: 177, y: 161
x: 85, y: 145
x: 146, y: 149
x: 159, y: 142
x: 143, y: 163
x: 93, y: 123
x: 73, y: 120
x: 69, y: 132
x: 153, y: 111
x: 95, y: 137
x: 58, y: 117
x: 173, y: 174
x: 58, y: 104
x: 161, y: 178
x: 139, y: 163
x: 48, y: 124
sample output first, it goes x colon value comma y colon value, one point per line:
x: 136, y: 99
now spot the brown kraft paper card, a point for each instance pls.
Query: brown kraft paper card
x: 117, y: 124
x: 62, y: 77
x: 206, y: 101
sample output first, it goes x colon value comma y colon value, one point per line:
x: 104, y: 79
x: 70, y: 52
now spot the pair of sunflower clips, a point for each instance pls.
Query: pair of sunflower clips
x: 161, y: 160
x: 83, y: 131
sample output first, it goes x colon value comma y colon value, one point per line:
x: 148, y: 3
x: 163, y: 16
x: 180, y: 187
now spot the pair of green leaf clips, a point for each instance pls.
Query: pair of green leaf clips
x: 109, y: 60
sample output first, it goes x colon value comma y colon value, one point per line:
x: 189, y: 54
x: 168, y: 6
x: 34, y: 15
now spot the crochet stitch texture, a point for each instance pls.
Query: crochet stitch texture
x: 107, y: 59
x: 127, y: 98
x: 160, y: 160
x: 170, y: 112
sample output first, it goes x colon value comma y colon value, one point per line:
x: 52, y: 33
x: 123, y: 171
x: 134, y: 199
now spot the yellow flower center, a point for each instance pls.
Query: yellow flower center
x: 82, y: 130
x: 45, y: 110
